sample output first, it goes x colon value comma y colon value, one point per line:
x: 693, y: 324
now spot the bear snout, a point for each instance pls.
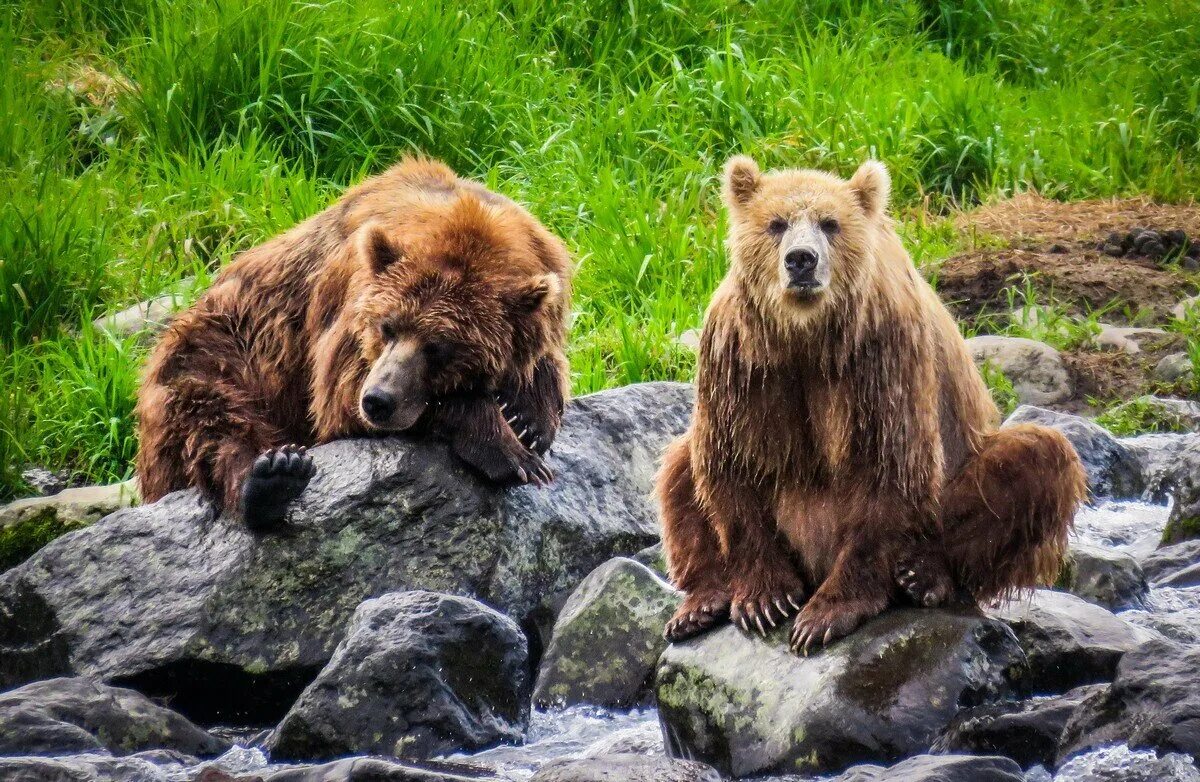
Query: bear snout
x: 378, y: 406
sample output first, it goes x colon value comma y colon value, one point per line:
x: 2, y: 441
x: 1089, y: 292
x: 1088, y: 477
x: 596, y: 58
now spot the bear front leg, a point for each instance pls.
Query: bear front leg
x: 534, y: 410
x: 764, y: 581
x: 275, y: 479
x: 693, y: 552
x: 479, y: 435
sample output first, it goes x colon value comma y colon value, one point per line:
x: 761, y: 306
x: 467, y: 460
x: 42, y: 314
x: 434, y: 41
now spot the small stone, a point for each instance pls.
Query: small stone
x: 1174, y: 367
x: 1175, y: 238
x: 1112, y: 579
x: 1035, y: 369
x: 1058, y: 248
x: 1127, y: 339
x: 1115, y: 250
x: 690, y: 339
x: 1154, y: 250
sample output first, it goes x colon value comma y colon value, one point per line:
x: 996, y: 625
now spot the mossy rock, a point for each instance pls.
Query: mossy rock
x: 28, y: 525
x: 748, y: 705
x: 608, y: 638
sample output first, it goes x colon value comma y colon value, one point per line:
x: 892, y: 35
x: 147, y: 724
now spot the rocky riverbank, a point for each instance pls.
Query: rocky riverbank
x: 414, y: 624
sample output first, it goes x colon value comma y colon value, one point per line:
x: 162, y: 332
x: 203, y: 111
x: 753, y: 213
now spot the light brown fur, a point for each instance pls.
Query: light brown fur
x: 277, y: 350
x: 845, y: 440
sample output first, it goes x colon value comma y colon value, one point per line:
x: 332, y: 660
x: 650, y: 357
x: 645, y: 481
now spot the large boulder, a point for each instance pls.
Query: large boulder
x: 749, y: 706
x: 625, y: 768
x: 938, y: 768
x: 1153, y: 703
x: 608, y: 638
x: 175, y: 602
x: 419, y: 674
x: 80, y: 768
x: 1108, y: 578
x: 1036, y: 370
x: 1027, y: 731
x: 1112, y: 469
x: 61, y: 716
x: 27, y: 525
x: 1067, y: 640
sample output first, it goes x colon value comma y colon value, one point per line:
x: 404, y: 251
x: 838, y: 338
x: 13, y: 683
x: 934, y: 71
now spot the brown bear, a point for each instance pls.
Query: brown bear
x: 844, y: 453
x: 419, y: 302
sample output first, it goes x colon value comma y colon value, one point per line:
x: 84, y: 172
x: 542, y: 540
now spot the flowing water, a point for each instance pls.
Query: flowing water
x: 1132, y: 527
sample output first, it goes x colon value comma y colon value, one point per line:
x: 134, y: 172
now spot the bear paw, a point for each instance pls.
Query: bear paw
x: 764, y: 609
x: 524, y: 423
x: 825, y: 620
x: 276, y: 478
x: 700, y: 611
x: 924, y: 580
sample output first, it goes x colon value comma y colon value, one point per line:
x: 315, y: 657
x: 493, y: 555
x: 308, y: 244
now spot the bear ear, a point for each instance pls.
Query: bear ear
x: 376, y: 248
x: 532, y: 294
x: 872, y: 185
x: 742, y: 180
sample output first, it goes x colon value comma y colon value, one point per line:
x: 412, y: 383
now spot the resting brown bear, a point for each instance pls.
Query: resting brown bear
x: 844, y: 453
x: 419, y: 302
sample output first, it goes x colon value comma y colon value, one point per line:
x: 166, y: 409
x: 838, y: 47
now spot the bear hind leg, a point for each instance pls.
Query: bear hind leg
x: 1006, y: 515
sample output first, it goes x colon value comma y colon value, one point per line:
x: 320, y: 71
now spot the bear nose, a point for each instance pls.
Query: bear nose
x: 378, y: 405
x: 800, y: 261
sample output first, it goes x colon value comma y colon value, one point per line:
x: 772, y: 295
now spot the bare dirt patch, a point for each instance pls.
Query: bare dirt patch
x: 1076, y: 276
x: 1028, y: 217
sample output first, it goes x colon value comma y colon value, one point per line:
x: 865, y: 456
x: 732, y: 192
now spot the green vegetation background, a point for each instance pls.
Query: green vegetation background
x: 148, y: 140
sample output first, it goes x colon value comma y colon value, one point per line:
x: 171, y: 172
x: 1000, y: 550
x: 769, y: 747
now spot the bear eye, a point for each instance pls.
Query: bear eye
x: 830, y: 225
x: 438, y: 353
x: 777, y: 226
x: 387, y: 330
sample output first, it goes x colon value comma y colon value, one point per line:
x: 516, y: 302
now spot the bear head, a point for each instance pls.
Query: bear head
x: 453, y: 302
x: 802, y: 240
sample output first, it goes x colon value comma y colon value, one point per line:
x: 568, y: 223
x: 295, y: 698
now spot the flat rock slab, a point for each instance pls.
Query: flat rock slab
x: 938, y: 768
x: 1067, y: 640
x: 367, y: 769
x: 625, y: 768
x: 1153, y: 703
x: 419, y: 674
x: 1027, y: 731
x: 175, y: 602
x: 1177, y: 565
x: 608, y: 638
x: 68, y: 716
x: 1112, y: 579
x: 747, y: 706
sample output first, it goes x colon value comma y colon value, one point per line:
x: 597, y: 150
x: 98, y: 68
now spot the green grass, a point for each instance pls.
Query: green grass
x: 1141, y: 416
x: 225, y: 121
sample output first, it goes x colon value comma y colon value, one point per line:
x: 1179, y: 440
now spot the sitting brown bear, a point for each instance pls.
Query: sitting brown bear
x: 844, y: 451
x: 419, y: 302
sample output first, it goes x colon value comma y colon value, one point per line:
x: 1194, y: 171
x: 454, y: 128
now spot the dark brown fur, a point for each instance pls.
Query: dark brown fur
x: 277, y: 350
x: 844, y: 452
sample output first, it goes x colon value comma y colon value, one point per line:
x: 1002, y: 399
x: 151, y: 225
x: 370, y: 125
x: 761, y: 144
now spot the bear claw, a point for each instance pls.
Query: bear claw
x: 823, y: 621
x: 764, y: 612
x: 277, y: 477
x: 696, y: 615
x: 925, y: 581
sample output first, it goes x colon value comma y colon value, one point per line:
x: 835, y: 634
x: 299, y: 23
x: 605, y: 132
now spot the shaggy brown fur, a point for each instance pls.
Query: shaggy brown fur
x: 449, y: 299
x: 844, y: 452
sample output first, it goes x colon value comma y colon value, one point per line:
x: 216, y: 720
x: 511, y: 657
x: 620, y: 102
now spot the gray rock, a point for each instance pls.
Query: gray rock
x: 1190, y: 304
x: 1177, y: 565
x: 1068, y: 641
x: 938, y: 768
x: 419, y: 674
x: 1128, y: 339
x: 232, y: 627
x: 625, y: 768
x: 1174, y: 367
x: 1108, y: 578
x: 644, y: 739
x: 1118, y: 763
x: 1035, y: 369
x: 80, y: 768
x: 27, y: 525
x: 1153, y: 703
x: 62, y: 716
x: 1112, y: 469
x: 1182, y: 625
x: 608, y: 638
x: 150, y: 316
x: 1184, y: 521
x: 1027, y: 732
x: 379, y: 770
x: 749, y: 706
